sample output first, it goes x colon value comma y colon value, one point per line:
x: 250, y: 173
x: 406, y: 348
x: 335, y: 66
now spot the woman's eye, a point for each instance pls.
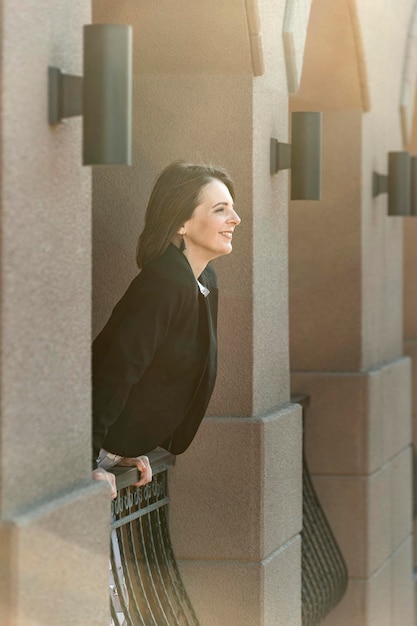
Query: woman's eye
x: 219, y: 210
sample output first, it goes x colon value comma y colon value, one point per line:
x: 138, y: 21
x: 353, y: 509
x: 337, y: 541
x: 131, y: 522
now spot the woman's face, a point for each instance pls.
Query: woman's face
x: 209, y: 231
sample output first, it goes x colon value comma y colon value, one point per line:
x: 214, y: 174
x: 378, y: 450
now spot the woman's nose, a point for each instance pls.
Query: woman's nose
x: 235, y: 218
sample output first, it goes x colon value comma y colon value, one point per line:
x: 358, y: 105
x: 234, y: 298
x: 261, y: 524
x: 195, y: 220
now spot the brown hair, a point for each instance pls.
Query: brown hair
x: 175, y: 195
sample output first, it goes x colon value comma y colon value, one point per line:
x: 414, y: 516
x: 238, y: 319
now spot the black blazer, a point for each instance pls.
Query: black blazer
x: 154, y: 362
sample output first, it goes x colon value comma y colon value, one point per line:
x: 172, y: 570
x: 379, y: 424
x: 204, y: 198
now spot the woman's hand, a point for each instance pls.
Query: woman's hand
x: 101, y: 474
x: 143, y: 466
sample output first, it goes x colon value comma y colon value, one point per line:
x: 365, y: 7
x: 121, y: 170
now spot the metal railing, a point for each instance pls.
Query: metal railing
x: 324, y: 575
x: 145, y: 587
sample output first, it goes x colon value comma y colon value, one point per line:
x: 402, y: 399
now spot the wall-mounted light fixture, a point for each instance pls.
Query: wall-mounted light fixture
x: 413, y: 199
x: 397, y: 183
x: 103, y: 96
x: 302, y: 156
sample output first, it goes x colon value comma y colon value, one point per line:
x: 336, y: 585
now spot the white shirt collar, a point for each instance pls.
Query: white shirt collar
x: 203, y: 289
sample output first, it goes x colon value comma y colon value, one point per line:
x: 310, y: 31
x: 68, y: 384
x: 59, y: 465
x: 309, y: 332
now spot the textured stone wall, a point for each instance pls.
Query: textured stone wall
x: 53, y: 521
x: 346, y: 307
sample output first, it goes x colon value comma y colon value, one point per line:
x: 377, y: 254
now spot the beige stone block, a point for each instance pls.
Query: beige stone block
x: 376, y: 436
x: 415, y: 541
x: 323, y: 283
x: 366, y: 602
x: 410, y: 265
x: 385, y: 599
x: 402, y: 582
x: 282, y: 586
x: 46, y: 268
x: 351, y: 610
x: 415, y: 599
x: 401, y: 497
x: 164, y: 40
x: 389, y: 411
x: 396, y: 403
x: 54, y: 562
x: 335, y: 421
x: 239, y: 593
x: 282, y: 488
x: 370, y: 516
x: 359, y: 513
x: 343, y: 500
x: 415, y: 432
x: 379, y: 531
x: 243, y: 485
x: 355, y: 422
x: 410, y: 349
x: 378, y: 591
x: 382, y: 337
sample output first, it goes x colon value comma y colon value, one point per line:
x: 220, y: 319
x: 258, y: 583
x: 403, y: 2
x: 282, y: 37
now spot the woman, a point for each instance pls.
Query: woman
x: 154, y: 363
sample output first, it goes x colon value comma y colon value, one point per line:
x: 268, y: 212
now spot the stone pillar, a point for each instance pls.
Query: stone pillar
x: 346, y: 310
x: 54, y: 522
x: 236, y: 493
x: 410, y: 292
x: 410, y: 277
x: 410, y: 322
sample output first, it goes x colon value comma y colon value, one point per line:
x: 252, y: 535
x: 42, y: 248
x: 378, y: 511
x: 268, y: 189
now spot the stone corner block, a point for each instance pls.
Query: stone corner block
x: 237, y: 491
x: 54, y: 561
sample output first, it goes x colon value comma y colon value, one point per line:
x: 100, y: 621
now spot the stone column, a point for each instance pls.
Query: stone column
x: 410, y: 321
x: 410, y: 301
x: 410, y: 260
x: 54, y: 522
x: 346, y: 310
x: 236, y: 493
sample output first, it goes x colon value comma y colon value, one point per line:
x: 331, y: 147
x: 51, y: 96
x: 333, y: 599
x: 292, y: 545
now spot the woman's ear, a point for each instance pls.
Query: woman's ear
x: 181, y: 231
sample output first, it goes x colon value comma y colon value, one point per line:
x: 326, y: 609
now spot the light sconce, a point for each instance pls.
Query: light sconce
x: 302, y: 156
x: 103, y: 96
x: 413, y: 199
x: 397, y: 183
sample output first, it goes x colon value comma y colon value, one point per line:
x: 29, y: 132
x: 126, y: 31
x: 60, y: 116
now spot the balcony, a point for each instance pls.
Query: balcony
x: 145, y: 585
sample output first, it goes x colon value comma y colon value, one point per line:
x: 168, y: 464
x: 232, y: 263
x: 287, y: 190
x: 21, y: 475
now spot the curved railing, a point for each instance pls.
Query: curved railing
x: 145, y: 585
x: 324, y: 575
x: 146, y: 588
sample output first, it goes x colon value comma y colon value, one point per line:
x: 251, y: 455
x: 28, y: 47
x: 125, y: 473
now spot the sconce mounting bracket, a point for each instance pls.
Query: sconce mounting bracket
x: 379, y: 184
x: 65, y: 95
x: 280, y: 156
